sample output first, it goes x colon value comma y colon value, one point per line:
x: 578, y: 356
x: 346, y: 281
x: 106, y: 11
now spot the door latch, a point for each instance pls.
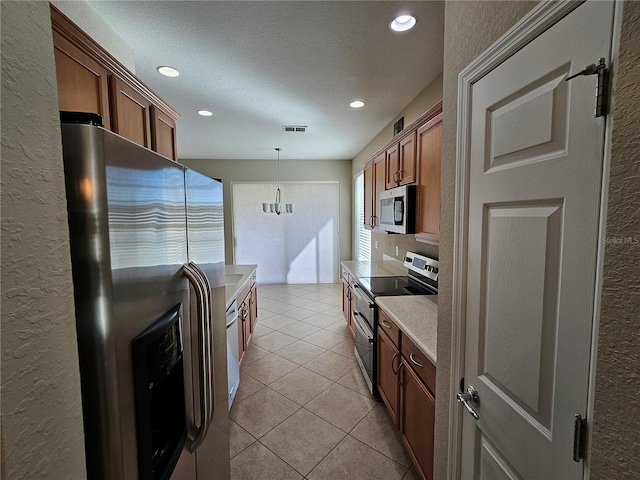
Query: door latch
x: 470, y: 399
x: 602, y: 94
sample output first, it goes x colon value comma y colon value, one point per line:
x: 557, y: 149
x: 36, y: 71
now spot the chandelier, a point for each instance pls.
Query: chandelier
x: 277, y: 206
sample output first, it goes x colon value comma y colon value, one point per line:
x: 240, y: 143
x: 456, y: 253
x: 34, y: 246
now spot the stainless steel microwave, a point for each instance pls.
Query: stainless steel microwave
x: 396, y: 209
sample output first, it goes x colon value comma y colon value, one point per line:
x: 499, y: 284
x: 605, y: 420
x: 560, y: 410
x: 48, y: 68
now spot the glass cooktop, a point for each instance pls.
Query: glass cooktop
x: 394, y: 286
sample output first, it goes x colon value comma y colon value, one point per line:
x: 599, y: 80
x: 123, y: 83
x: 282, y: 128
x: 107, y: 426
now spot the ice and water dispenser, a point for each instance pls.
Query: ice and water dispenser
x: 159, y: 394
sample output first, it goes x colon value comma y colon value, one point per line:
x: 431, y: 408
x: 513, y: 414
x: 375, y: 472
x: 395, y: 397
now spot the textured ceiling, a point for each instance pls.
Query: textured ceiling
x: 259, y: 65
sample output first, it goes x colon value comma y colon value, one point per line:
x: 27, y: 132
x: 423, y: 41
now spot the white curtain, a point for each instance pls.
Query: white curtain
x: 299, y: 247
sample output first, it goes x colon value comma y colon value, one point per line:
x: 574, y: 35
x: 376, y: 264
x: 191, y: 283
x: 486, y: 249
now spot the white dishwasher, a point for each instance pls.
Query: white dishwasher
x: 233, y: 353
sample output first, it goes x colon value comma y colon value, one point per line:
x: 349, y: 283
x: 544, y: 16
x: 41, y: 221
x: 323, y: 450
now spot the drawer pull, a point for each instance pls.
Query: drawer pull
x: 414, y: 361
x: 393, y: 369
x: 385, y: 324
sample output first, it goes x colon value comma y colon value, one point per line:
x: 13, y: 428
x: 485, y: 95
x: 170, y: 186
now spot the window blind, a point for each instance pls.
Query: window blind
x: 362, y: 236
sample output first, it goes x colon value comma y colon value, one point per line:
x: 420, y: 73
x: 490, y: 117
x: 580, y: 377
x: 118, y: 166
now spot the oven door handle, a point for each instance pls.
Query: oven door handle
x: 366, y: 331
x: 362, y: 296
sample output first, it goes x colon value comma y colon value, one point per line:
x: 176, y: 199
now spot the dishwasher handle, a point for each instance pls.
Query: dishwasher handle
x: 232, y: 314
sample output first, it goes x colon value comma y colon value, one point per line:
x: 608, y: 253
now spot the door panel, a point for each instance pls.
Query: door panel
x: 534, y: 191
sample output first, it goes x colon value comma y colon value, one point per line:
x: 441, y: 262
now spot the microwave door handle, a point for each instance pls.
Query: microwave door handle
x: 208, y: 332
x: 202, y: 308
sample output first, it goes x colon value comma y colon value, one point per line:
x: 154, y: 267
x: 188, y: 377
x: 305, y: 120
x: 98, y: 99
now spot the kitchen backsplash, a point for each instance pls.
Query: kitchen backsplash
x: 387, y: 243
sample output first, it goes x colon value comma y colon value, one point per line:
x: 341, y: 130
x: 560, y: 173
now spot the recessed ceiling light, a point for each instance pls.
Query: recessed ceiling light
x: 403, y: 23
x: 205, y: 113
x: 168, y: 71
x: 357, y: 104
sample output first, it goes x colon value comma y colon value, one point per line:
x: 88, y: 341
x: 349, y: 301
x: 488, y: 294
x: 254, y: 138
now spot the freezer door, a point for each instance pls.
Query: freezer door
x: 205, y: 240
x: 128, y: 245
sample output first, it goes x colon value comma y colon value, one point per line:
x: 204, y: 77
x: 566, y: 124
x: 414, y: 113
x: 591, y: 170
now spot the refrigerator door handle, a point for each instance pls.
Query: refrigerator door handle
x: 203, y: 313
x: 208, y: 335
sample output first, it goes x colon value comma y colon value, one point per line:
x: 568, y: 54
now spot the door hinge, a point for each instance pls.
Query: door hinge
x: 602, y: 85
x: 579, y: 437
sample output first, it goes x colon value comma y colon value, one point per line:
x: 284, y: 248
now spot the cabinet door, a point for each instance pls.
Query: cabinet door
x: 417, y: 420
x: 131, y: 113
x: 82, y: 82
x: 428, y: 191
x: 369, y: 195
x: 388, y: 363
x: 392, y: 166
x: 379, y: 184
x: 163, y: 133
x: 407, y: 166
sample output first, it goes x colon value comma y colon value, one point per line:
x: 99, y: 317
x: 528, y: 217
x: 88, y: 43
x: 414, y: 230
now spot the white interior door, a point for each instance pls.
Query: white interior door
x: 533, y: 211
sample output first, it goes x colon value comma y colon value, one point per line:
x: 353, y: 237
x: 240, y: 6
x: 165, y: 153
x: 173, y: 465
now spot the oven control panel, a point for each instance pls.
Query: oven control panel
x: 425, y: 266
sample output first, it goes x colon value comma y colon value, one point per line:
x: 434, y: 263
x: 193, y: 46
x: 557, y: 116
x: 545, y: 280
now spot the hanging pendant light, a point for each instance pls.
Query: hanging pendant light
x: 277, y: 206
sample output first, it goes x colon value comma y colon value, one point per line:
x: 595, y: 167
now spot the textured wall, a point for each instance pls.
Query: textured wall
x: 42, y: 434
x: 470, y: 28
x: 615, y: 449
x: 290, y: 170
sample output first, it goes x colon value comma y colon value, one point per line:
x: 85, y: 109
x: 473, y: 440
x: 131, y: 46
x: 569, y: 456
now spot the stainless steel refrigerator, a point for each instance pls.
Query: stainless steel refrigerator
x: 147, y: 252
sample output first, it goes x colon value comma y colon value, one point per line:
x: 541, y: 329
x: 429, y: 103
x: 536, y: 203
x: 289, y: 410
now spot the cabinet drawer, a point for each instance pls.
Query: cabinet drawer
x: 387, y: 326
x: 419, y: 363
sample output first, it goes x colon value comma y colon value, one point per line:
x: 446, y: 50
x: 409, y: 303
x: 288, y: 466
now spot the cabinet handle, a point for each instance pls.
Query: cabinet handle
x: 385, y: 324
x: 395, y: 372
x: 400, y: 376
x: 414, y: 361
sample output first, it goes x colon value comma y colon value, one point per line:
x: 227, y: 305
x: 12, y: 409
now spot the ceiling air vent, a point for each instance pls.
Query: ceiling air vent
x: 294, y: 128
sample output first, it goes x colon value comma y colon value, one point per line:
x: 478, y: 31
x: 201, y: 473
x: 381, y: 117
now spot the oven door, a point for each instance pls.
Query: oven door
x: 364, y: 348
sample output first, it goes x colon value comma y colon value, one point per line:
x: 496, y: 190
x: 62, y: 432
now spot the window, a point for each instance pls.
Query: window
x: 362, y: 236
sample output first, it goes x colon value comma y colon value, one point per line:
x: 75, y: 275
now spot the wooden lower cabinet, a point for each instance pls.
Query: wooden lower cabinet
x: 347, y: 304
x: 387, y: 367
x: 247, y: 315
x: 417, y: 420
x: 406, y: 382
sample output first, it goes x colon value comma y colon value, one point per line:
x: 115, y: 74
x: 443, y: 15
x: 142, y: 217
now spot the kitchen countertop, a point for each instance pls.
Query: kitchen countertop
x: 379, y: 268
x: 244, y: 272
x: 417, y: 317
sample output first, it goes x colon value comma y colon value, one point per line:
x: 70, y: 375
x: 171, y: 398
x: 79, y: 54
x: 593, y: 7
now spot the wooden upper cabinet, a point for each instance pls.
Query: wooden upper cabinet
x: 429, y: 152
x: 407, y: 160
x: 163, y: 133
x: 82, y: 82
x: 392, y: 166
x: 92, y: 80
x: 131, y: 113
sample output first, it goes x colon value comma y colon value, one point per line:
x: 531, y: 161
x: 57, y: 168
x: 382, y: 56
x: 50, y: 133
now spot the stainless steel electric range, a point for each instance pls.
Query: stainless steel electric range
x: 421, y: 279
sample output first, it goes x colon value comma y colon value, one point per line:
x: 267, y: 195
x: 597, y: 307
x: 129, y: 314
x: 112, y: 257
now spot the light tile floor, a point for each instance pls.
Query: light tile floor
x: 303, y: 410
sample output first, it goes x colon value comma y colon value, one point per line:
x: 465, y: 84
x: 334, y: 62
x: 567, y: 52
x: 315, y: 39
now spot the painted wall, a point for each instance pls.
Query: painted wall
x: 615, y: 446
x: 42, y: 434
x: 470, y: 28
x: 290, y: 170
x: 431, y: 95
x: 93, y: 25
